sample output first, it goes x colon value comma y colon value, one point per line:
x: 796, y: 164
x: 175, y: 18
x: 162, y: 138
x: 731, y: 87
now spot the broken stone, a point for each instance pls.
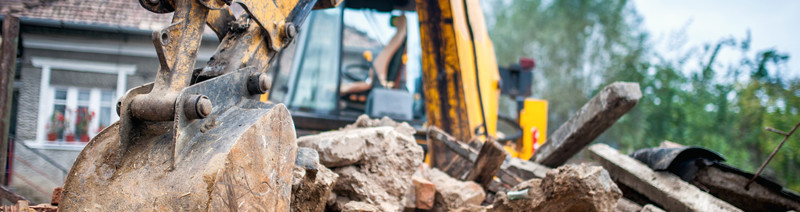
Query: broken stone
x: 473, y: 208
x: 311, y: 192
x: 56, y: 198
x: 364, y: 121
x: 425, y: 193
x: 356, y: 206
x: 626, y: 205
x: 452, y: 193
x: 568, y: 188
x: 651, y: 208
x: 352, y: 146
x: 374, y: 159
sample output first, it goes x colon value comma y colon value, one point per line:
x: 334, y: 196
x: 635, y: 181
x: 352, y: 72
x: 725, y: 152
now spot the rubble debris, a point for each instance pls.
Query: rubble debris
x: 311, y: 188
x: 664, y: 188
x: 568, y: 188
x: 473, y: 208
x: 450, y: 155
x: 9, y: 195
x: 525, y: 169
x: 651, y: 208
x: 626, y: 205
x: 457, y: 159
x: 452, y: 193
x: 356, y: 142
x: 56, y: 198
x: 364, y: 121
x: 356, y: 206
x: 488, y: 162
x: 424, y: 193
x: 706, y: 170
x: 599, y: 114
x: 727, y: 183
x: 375, y: 161
x: 24, y: 205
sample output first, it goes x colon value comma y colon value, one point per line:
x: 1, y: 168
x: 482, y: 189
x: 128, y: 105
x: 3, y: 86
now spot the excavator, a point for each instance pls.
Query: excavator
x: 222, y: 136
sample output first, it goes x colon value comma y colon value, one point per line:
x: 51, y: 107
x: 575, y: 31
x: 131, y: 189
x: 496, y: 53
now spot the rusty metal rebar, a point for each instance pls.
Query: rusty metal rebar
x: 786, y: 137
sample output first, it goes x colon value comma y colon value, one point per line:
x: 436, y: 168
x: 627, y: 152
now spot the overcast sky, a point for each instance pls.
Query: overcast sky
x: 772, y: 23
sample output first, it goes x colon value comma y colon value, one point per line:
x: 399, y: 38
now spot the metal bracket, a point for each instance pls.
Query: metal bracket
x: 271, y: 18
x: 226, y: 92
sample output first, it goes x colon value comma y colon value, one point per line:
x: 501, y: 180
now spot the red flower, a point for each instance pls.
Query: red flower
x: 60, y: 117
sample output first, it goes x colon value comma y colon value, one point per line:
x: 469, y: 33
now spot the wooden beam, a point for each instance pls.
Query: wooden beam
x: 460, y: 161
x: 450, y: 155
x: 663, y: 188
x: 9, y: 195
x: 599, y: 114
x: 729, y: 186
x: 8, y: 65
x: 525, y: 169
x: 489, y: 160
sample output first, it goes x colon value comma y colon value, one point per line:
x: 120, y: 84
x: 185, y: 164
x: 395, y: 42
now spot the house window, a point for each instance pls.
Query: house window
x: 70, y: 114
x: 78, y: 114
x: 57, y: 124
x: 106, y: 103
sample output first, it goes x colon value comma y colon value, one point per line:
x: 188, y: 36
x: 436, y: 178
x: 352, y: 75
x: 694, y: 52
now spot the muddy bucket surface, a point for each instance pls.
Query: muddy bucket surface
x: 242, y: 160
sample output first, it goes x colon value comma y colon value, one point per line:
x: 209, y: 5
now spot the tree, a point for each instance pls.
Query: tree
x: 693, y: 99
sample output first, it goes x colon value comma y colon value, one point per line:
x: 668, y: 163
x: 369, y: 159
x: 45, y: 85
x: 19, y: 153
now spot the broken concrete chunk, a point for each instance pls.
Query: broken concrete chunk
x: 626, y: 205
x: 651, y: 208
x: 311, y: 193
x: 452, y: 193
x: 364, y: 121
x: 56, y: 198
x: 568, y: 188
x: 375, y: 162
x: 351, y: 146
x: 356, y: 206
x: 425, y: 193
x: 337, y: 148
x: 473, y: 208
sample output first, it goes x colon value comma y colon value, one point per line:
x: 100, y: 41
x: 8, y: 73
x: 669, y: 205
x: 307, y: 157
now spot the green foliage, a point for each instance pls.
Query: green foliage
x: 583, y: 45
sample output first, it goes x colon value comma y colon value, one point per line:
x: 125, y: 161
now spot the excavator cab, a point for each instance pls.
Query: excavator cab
x: 362, y: 57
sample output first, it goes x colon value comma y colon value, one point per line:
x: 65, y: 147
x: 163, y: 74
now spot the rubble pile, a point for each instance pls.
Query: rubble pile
x: 376, y: 165
x: 568, y: 188
x: 375, y: 161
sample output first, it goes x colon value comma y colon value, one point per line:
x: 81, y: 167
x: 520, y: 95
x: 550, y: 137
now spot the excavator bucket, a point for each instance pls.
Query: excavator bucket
x: 242, y: 154
x: 199, y: 139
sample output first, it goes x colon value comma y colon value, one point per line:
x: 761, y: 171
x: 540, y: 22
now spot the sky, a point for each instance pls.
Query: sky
x: 772, y: 24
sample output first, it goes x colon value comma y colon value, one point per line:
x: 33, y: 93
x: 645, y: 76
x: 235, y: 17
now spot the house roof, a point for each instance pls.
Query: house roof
x: 117, y: 13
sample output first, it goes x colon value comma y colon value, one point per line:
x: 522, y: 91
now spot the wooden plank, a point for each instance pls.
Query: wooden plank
x: 525, y: 170
x: 9, y: 195
x: 460, y: 161
x: 599, y: 114
x: 729, y: 186
x: 8, y: 65
x: 489, y: 160
x: 664, y: 188
x: 449, y: 155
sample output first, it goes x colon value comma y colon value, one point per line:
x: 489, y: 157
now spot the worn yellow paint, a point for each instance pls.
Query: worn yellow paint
x: 270, y: 16
x: 533, y: 116
x: 487, y: 64
x: 444, y: 93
